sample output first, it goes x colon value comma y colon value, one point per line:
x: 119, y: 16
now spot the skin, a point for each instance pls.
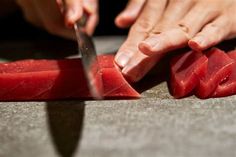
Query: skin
x: 157, y: 26
x: 58, y: 16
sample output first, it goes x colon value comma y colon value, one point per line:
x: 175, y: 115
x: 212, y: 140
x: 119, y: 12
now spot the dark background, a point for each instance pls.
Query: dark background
x: 14, y: 27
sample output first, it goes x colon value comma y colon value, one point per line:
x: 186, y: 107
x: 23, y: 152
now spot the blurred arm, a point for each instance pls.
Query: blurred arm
x: 7, y: 7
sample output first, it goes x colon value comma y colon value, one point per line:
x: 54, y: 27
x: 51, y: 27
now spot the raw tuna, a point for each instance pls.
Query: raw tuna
x: 219, y: 69
x: 58, y: 79
x: 228, y: 87
x: 185, y: 71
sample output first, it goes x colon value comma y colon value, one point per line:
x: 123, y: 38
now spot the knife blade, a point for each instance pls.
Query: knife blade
x: 90, y: 62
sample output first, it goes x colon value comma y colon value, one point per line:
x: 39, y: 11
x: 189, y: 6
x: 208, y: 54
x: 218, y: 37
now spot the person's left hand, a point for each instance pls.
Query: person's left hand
x: 159, y: 26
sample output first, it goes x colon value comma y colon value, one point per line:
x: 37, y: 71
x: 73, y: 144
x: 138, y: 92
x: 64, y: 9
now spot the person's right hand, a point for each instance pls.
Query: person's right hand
x: 56, y: 16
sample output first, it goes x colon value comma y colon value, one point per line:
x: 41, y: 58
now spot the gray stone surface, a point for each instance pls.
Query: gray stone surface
x: 155, y: 125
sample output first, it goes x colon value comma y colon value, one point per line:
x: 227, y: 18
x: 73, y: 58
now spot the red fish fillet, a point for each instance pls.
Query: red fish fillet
x: 185, y: 71
x: 228, y: 87
x: 220, y: 66
x: 59, y: 79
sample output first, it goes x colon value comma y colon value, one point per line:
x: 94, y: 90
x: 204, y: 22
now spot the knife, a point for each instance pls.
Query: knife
x: 89, y: 58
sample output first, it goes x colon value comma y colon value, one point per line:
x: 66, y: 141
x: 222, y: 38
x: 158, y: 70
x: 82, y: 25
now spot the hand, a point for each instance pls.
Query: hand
x: 164, y: 25
x: 55, y: 15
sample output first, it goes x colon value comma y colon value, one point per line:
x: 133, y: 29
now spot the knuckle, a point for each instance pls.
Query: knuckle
x: 175, y: 38
x: 166, y: 40
x: 160, y: 28
x: 142, y: 26
x: 216, y: 32
x: 212, y: 27
x: 184, y: 28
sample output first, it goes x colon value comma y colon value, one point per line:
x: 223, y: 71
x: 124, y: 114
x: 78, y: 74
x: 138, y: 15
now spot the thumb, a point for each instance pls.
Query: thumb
x: 73, y: 10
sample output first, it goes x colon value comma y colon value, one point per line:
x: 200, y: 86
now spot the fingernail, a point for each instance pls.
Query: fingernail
x: 200, y: 41
x: 147, y: 46
x: 151, y: 41
x: 122, y: 60
x: 131, y: 73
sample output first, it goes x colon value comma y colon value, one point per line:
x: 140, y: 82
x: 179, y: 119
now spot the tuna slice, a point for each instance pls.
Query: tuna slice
x: 220, y: 66
x: 185, y: 70
x: 228, y: 87
x: 58, y: 79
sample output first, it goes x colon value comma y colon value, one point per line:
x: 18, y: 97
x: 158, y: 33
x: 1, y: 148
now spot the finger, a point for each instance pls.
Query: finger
x: 199, y: 16
x: 151, y: 13
x: 212, y: 34
x: 139, y: 66
x: 91, y: 7
x: 161, y: 43
x: 73, y: 11
x: 128, y: 16
x: 92, y: 23
x: 187, y: 28
x: 175, y: 11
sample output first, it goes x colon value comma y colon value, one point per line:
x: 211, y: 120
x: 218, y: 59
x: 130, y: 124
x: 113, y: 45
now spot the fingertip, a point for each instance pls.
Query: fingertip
x: 121, y: 59
x: 128, y: 16
x: 129, y: 76
x: 72, y: 15
x: 194, y: 46
x: 134, y: 72
x: 145, y: 48
x: 197, y: 43
x: 69, y: 18
x: 124, y: 20
x: 119, y: 21
x: 91, y: 24
x: 151, y: 45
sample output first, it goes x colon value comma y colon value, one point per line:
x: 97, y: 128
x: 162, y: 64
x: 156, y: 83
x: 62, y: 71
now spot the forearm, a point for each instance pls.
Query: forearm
x: 7, y: 6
